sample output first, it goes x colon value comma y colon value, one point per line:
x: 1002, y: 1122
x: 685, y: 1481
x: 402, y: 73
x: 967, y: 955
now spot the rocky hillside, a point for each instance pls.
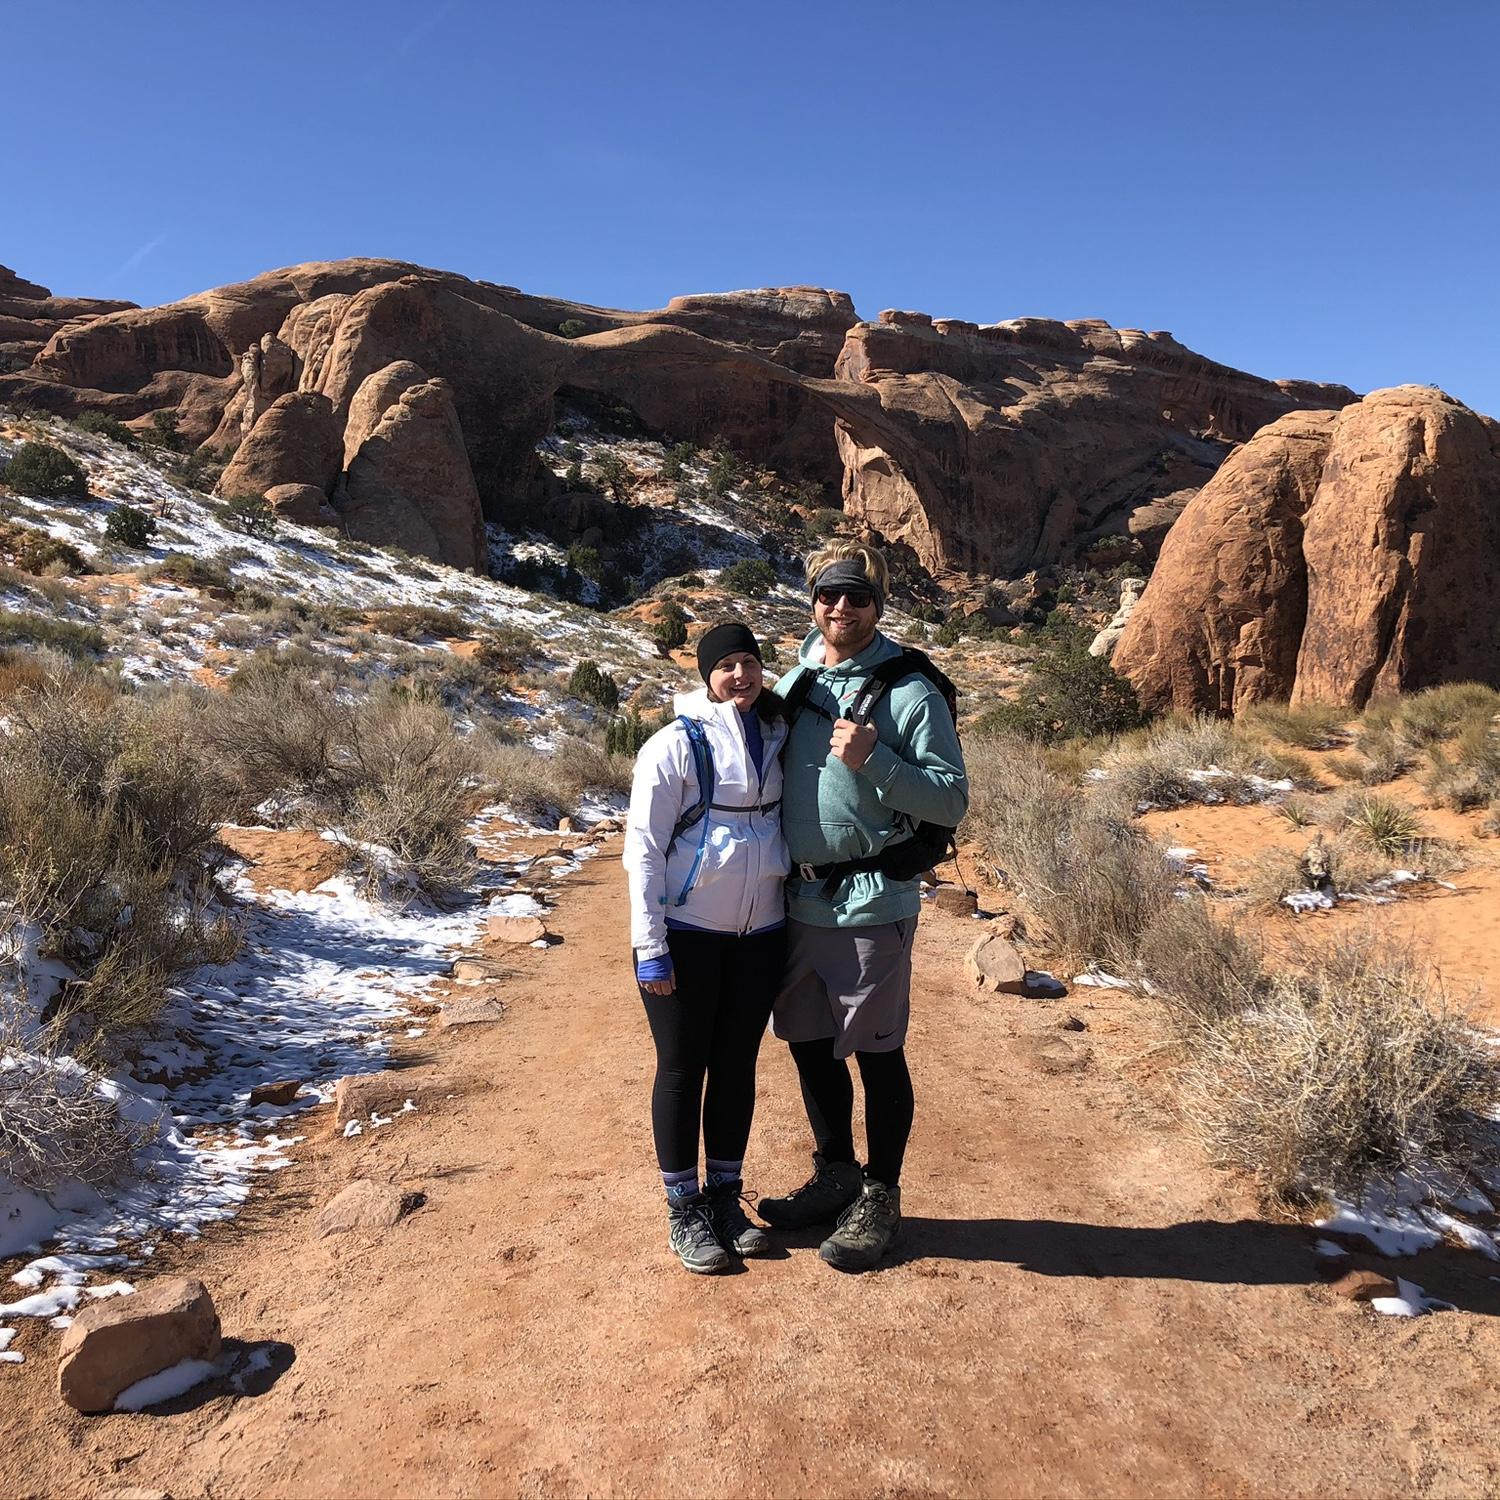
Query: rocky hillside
x: 414, y: 401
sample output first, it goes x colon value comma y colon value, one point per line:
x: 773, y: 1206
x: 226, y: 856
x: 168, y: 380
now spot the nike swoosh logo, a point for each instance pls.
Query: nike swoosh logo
x: 880, y: 1036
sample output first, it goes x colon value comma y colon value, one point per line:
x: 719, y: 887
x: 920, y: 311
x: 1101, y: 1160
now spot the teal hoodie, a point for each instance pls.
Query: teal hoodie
x: 915, y: 773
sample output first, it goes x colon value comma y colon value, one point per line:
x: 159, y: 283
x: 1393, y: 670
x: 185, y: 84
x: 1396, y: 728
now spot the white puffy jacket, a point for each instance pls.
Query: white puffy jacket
x: 738, y: 887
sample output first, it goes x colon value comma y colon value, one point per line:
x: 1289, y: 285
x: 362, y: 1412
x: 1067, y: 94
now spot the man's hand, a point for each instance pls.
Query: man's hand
x: 852, y: 742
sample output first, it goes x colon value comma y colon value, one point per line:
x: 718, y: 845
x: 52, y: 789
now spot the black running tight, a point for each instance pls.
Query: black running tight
x: 708, y: 1031
x: 828, y: 1093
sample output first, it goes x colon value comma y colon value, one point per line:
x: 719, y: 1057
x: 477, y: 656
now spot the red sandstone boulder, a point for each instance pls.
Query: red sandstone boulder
x: 1220, y: 624
x: 302, y: 504
x: 297, y: 440
x: 1334, y: 557
x: 377, y: 393
x: 410, y: 484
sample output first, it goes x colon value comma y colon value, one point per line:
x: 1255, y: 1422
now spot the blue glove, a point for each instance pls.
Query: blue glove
x: 650, y: 970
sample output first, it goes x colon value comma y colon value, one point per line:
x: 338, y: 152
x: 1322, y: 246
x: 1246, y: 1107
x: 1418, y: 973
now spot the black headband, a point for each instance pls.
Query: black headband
x: 848, y: 574
x: 723, y: 640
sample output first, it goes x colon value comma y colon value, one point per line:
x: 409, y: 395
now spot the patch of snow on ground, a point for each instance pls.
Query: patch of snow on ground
x: 167, y: 1384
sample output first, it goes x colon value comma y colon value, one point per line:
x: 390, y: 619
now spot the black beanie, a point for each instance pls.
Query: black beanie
x: 723, y: 640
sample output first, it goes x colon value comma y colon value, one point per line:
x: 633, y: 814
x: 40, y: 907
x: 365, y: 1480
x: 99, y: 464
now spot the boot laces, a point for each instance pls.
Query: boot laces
x: 860, y: 1214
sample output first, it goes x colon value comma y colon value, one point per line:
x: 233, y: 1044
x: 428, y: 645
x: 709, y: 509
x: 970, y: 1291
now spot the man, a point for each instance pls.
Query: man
x: 851, y: 790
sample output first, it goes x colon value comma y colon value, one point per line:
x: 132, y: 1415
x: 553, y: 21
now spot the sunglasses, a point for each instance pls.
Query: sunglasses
x: 855, y: 598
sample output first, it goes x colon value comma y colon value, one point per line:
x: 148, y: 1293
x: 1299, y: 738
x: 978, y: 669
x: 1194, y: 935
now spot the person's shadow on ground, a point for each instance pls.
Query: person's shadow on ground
x: 1249, y: 1252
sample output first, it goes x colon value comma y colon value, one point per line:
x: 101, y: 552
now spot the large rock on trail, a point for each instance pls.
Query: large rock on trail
x: 1333, y: 558
x: 113, y: 1344
x: 297, y: 440
x: 410, y: 484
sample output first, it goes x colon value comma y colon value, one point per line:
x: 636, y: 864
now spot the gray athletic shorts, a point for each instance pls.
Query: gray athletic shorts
x: 850, y: 983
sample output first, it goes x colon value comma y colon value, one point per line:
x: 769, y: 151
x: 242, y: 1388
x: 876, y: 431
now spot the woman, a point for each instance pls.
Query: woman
x: 706, y: 861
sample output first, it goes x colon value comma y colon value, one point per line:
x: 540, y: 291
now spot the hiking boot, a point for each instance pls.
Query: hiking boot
x: 866, y: 1229
x: 691, y: 1235
x: 833, y: 1186
x: 732, y: 1228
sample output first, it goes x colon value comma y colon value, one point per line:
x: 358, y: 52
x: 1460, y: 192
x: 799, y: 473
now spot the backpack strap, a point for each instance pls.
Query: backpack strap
x: 703, y: 765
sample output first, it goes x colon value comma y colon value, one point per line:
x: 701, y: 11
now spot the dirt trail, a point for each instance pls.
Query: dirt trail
x: 1078, y: 1307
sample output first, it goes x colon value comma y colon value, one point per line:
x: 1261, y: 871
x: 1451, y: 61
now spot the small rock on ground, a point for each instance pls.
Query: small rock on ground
x: 473, y: 1011
x: 993, y: 964
x: 361, y: 1095
x: 515, y: 929
x: 275, y: 1093
x: 479, y: 968
x: 955, y: 899
x: 367, y: 1205
x: 1056, y: 1054
x: 113, y: 1344
x: 1363, y: 1286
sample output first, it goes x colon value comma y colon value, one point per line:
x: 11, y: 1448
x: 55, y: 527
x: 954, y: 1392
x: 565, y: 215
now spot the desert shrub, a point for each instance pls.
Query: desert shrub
x: 272, y: 732
x: 591, y: 766
x: 613, y: 475
x: 1385, y: 755
x: 203, y: 467
x: 1382, y: 823
x: 1349, y: 1068
x: 104, y: 425
x: 586, y: 561
x: 130, y: 527
x: 1470, y: 776
x: 163, y: 430
x: 46, y: 472
x: 750, y: 576
x: 37, y: 552
x: 182, y: 568
x: 107, y: 820
x: 56, y: 1123
x: 947, y: 634
x: 250, y: 514
x: 538, y: 785
x: 572, y: 328
x: 1274, y: 874
x: 1177, y: 761
x: 403, y: 778
x: 722, y: 473
x: 588, y: 683
x: 1310, y: 726
x: 72, y: 639
x: 1298, y: 811
x: 1200, y: 966
x: 825, y: 521
x: 678, y: 456
x: 414, y: 622
x: 1069, y: 695
x: 1091, y: 881
x: 628, y: 732
x: 505, y: 649
x: 670, y: 631
x: 1438, y: 712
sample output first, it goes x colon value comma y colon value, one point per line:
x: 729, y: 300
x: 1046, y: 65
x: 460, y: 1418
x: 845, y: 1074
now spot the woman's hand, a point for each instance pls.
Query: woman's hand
x: 656, y: 975
x: 659, y: 986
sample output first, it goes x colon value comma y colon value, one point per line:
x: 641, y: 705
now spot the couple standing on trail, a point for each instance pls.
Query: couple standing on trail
x: 773, y: 845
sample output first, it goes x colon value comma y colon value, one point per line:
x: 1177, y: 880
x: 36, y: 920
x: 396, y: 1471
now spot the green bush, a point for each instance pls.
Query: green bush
x: 250, y: 514
x: 164, y: 431
x: 613, y: 474
x: 587, y: 561
x: 947, y: 634
x: 129, y: 527
x: 670, y: 631
x: 673, y: 465
x: 1069, y: 695
x: 628, y: 732
x: 592, y: 685
x: 572, y: 328
x: 46, y: 472
x: 750, y: 576
x: 104, y: 425
x: 723, y: 473
x: 39, y: 553
x: 71, y: 639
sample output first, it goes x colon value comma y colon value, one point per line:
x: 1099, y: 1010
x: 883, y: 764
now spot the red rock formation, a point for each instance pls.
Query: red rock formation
x: 298, y: 440
x: 410, y: 484
x: 1334, y: 557
x: 1002, y: 447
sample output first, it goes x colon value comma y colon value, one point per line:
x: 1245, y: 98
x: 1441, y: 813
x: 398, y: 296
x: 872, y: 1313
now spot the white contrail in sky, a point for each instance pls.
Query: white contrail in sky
x: 131, y: 262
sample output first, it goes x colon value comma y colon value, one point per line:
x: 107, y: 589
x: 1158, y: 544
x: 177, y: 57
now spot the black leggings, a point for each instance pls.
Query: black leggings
x: 828, y: 1093
x: 710, y: 1026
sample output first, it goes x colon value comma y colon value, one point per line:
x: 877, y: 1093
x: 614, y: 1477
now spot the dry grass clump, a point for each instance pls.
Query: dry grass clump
x: 107, y: 819
x: 1339, y: 864
x: 1440, y: 712
x: 56, y: 1123
x: 1090, y: 879
x: 1348, y: 1068
x: 1382, y: 823
x: 1199, y: 967
x: 391, y: 769
x: 542, y: 786
x: 1156, y: 767
x: 415, y: 622
x: 1309, y: 726
x: 1470, y: 776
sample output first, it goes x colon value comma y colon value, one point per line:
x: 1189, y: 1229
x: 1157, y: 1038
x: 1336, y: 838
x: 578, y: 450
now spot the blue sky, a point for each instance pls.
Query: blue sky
x: 1301, y: 189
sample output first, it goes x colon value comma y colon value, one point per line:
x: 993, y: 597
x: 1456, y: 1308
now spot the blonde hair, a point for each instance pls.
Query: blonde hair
x: 871, y: 563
